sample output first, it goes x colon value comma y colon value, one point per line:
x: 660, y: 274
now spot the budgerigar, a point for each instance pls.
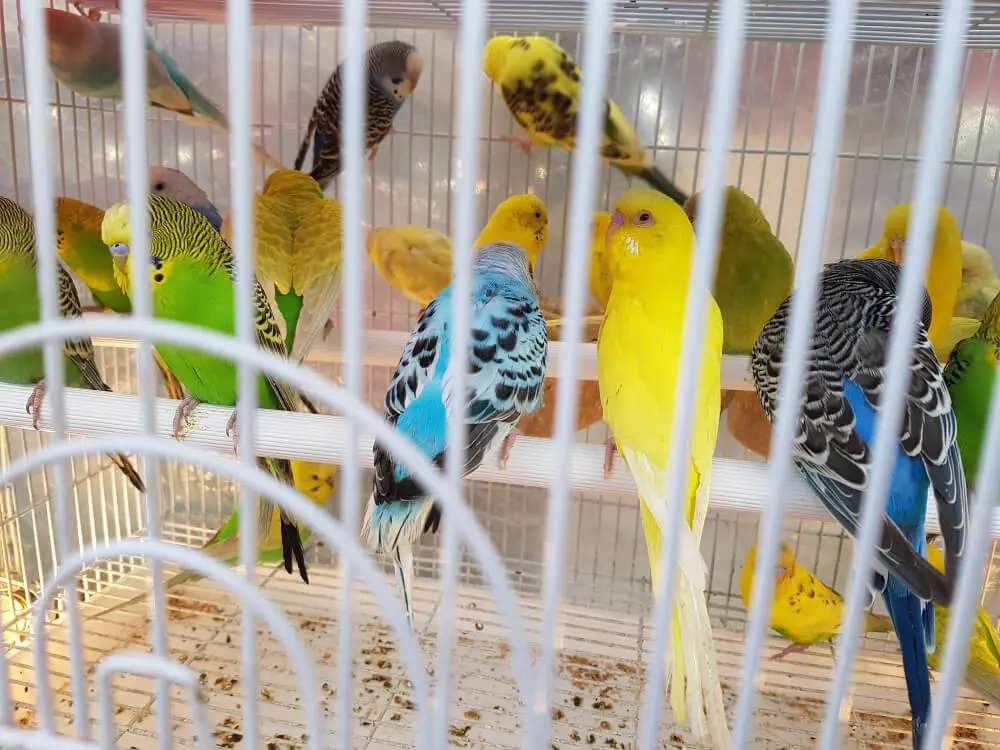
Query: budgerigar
x: 944, y: 271
x: 979, y: 282
x: 509, y: 345
x: 836, y: 427
x: 982, y: 673
x: 393, y: 71
x: 969, y: 374
x: 78, y: 240
x: 85, y: 56
x: 172, y: 183
x: 299, y: 255
x: 313, y: 480
x: 20, y: 306
x: 540, y: 84
x: 650, y: 246
x: 805, y: 611
x: 192, y: 282
x: 417, y: 261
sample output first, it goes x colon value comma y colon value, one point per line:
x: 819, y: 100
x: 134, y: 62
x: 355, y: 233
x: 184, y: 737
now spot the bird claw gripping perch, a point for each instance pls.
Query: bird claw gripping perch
x: 506, y: 446
x: 182, y: 417
x: 34, y: 404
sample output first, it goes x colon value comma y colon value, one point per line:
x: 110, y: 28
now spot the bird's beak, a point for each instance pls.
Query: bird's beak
x: 897, y: 246
x: 617, y: 222
x: 782, y: 572
x: 330, y: 480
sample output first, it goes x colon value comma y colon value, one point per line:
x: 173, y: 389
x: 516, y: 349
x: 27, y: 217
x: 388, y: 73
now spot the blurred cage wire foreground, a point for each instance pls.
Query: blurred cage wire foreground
x: 324, y: 662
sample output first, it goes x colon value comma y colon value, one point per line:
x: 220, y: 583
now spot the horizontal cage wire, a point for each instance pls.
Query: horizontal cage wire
x: 595, y: 656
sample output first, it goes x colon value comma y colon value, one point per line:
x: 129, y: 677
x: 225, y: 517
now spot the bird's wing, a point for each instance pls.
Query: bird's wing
x: 317, y: 263
x: 79, y: 351
x: 162, y: 90
x: 275, y: 244
x: 269, y: 339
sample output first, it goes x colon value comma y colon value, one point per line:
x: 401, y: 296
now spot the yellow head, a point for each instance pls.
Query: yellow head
x: 495, y: 55
x: 522, y: 219
x: 116, y: 234
x: 648, y: 231
x: 314, y: 480
x: 289, y: 182
x: 947, y: 239
x: 785, y: 566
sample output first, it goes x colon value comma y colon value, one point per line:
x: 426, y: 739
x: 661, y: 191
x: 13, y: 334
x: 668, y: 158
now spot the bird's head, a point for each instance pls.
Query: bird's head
x: 524, y: 220
x: 495, y: 55
x: 69, y: 34
x: 647, y: 229
x: 740, y: 211
x: 947, y: 239
x: 397, y: 67
x: 314, y: 480
x: 785, y: 565
x: 116, y: 234
x: 172, y: 183
x: 289, y: 182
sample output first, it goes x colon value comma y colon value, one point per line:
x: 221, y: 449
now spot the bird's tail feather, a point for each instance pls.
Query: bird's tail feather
x: 907, y: 613
x: 658, y: 181
x: 986, y: 685
x: 126, y: 468
x: 306, y: 140
x: 402, y: 559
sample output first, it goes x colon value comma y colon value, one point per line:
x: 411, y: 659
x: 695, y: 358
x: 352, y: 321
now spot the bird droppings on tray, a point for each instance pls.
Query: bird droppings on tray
x: 404, y: 702
x: 605, y: 725
x: 226, y: 684
x: 574, y: 735
x: 577, y: 701
x: 313, y: 626
x: 228, y: 733
x: 267, y: 695
x: 558, y: 714
x: 473, y: 715
x: 377, y: 650
x: 603, y: 705
x: 459, y: 732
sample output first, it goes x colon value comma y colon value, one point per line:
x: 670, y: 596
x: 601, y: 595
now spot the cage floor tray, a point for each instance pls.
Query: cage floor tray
x: 597, y: 693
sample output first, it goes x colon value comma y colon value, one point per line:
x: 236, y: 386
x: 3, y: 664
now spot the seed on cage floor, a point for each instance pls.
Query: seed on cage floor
x: 479, y: 625
x: 472, y: 605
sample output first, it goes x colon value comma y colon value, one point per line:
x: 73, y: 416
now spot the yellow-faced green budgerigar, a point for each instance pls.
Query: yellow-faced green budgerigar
x: 944, y: 272
x: 172, y: 183
x: 85, y: 56
x: 844, y: 387
x: 509, y: 345
x: 191, y: 271
x: 969, y: 374
x: 982, y: 673
x: 299, y: 255
x: 650, y: 244
x: 78, y: 240
x: 979, y: 282
x: 540, y: 84
x: 805, y: 611
x: 393, y: 71
x: 20, y: 306
x: 417, y: 261
x: 313, y: 480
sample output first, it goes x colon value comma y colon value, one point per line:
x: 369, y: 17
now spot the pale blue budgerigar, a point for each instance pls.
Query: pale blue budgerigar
x: 393, y: 71
x: 172, y: 183
x: 844, y: 387
x: 85, y: 56
x: 509, y: 346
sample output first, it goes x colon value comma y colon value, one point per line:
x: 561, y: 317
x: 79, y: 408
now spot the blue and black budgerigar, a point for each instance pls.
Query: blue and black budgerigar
x: 836, y: 429
x: 509, y: 347
x: 393, y: 70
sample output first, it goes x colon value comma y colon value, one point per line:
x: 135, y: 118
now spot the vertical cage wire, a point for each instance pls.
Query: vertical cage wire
x: 933, y: 148
x: 576, y: 263
x: 708, y: 225
x: 826, y: 141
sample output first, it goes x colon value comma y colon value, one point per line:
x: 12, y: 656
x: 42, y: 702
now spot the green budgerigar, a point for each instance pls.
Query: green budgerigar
x: 191, y: 274
x: 969, y: 375
x: 20, y: 306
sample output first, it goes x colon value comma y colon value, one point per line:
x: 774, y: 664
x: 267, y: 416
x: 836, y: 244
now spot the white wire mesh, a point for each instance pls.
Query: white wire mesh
x: 577, y: 568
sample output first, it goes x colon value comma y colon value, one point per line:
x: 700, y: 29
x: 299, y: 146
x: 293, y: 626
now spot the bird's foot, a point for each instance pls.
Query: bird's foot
x: 523, y: 143
x: 233, y: 430
x: 328, y: 327
x: 506, y: 446
x: 182, y: 417
x: 795, y: 648
x: 610, y: 449
x: 34, y: 404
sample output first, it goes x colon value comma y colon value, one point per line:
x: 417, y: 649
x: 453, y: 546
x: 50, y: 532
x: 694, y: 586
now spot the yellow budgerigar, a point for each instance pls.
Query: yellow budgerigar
x: 944, y: 271
x: 540, y: 84
x: 805, y: 611
x: 417, y: 261
x: 650, y: 244
x: 979, y: 282
x: 299, y: 255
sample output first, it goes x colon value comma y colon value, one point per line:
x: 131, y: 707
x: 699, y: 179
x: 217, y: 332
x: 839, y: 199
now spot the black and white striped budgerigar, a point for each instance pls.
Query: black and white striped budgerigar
x: 393, y: 70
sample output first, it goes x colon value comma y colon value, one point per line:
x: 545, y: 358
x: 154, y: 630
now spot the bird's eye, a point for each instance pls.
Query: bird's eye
x: 159, y: 186
x: 397, y: 81
x: 644, y: 218
x: 538, y: 214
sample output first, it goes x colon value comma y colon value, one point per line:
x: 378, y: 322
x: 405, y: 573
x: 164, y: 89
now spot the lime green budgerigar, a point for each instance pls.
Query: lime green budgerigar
x: 20, y: 306
x: 192, y: 282
x: 313, y: 480
x: 79, y: 243
x: 969, y: 375
x: 299, y: 255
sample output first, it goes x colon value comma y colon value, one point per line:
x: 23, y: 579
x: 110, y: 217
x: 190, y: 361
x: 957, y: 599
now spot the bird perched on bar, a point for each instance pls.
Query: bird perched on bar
x: 79, y: 243
x: 313, y: 480
x: 754, y: 276
x: 944, y: 271
x: 393, y: 71
x: 979, y: 282
x: 970, y: 374
x: 300, y: 250
x: 191, y: 272
x: 982, y: 673
x: 845, y: 381
x: 805, y: 610
x: 85, y: 56
x: 509, y: 346
x: 20, y: 305
x: 650, y: 247
x: 172, y: 183
x: 540, y: 84
x: 417, y: 261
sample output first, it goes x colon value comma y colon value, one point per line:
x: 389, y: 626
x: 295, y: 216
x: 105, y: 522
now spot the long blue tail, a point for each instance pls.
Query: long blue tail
x: 910, y: 619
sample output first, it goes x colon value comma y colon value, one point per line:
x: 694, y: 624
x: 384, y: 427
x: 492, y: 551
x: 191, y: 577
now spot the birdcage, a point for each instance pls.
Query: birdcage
x: 535, y: 623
